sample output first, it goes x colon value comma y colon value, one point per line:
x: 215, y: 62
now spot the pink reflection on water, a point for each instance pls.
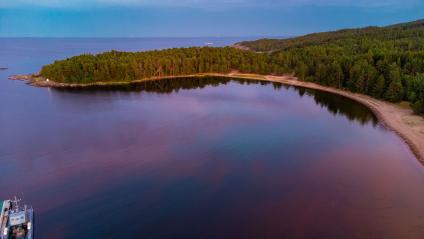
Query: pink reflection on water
x: 245, y: 160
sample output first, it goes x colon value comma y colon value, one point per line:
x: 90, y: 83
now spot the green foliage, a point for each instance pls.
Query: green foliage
x: 384, y: 62
x: 126, y: 66
x: 416, y: 92
x: 394, y: 32
x: 394, y: 91
x: 379, y: 87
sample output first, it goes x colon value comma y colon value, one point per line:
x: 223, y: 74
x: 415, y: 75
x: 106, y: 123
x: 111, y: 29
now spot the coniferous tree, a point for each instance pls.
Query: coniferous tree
x: 379, y: 87
x: 394, y: 91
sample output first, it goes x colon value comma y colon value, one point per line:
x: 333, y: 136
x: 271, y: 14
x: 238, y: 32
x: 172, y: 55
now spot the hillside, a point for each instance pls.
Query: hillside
x: 404, y: 31
x: 384, y: 62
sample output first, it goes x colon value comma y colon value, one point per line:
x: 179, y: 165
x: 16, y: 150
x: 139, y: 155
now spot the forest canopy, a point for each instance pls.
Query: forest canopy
x: 383, y: 62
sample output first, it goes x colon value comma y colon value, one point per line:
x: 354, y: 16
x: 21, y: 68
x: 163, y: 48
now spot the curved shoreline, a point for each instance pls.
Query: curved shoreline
x: 409, y: 127
x: 403, y: 122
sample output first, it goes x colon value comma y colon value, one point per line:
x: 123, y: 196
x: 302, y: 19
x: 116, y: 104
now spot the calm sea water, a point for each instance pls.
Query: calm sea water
x: 198, y: 158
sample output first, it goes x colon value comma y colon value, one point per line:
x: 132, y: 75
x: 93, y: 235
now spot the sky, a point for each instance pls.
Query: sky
x: 197, y: 18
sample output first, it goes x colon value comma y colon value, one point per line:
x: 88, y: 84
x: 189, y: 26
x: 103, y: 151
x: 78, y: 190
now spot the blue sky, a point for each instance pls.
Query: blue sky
x: 189, y: 18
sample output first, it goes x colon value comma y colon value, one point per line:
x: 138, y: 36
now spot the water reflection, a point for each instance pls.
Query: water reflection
x: 337, y: 105
x: 234, y: 161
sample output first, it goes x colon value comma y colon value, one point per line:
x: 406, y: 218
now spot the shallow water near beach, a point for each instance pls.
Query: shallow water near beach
x: 198, y: 157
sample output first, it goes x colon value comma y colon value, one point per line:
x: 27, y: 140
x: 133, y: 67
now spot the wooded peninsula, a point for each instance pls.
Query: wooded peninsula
x: 383, y: 62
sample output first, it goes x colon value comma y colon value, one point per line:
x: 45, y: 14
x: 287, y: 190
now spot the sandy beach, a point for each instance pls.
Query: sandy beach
x: 401, y: 120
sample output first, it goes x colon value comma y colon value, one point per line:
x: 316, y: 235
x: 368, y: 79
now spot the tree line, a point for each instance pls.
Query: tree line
x: 130, y: 66
x: 386, y: 63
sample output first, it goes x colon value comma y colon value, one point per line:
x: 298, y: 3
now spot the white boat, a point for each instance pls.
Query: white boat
x: 16, y: 222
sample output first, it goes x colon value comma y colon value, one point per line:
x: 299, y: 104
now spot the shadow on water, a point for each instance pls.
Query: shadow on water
x: 340, y: 105
x: 335, y: 104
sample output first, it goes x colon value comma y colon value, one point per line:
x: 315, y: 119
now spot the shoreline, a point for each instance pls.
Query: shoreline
x: 402, y: 121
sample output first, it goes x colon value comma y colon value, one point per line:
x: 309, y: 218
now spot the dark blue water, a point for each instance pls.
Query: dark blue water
x: 198, y: 158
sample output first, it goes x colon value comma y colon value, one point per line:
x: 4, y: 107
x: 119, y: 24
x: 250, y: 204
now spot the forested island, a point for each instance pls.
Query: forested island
x: 383, y: 62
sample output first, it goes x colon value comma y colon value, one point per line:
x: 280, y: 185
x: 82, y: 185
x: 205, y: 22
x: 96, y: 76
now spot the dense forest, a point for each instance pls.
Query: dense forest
x: 129, y: 66
x: 384, y: 62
